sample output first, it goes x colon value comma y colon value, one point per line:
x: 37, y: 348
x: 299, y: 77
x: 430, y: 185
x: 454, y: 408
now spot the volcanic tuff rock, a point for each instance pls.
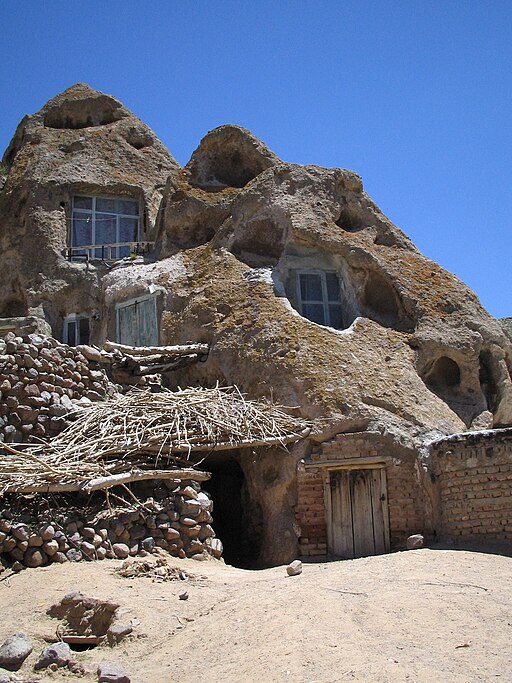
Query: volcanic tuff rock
x: 416, y: 352
x: 81, y: 142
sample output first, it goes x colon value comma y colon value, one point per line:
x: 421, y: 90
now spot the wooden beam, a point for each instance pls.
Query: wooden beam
x: 90, y: 485
x: 154, y: 350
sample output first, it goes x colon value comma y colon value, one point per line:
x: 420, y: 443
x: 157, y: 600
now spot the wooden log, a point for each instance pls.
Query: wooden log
x: 224, y: 446
x: 174, y: 365
x: 90, y: 485
x: 156, y: 350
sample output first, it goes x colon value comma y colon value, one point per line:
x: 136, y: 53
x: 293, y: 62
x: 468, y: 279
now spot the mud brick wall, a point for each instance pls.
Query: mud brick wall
x: 474, y: 480
x: 407, y: 483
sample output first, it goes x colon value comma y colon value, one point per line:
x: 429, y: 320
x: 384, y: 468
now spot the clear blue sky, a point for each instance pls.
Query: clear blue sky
x: 414, y: 96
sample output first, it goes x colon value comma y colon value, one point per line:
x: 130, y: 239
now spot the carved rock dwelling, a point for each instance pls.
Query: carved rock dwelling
x: 302, y: 290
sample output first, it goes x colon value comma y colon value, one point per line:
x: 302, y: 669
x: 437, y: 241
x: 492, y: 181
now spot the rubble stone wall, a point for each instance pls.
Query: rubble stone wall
x: 474, y: 479
x: 174, y: 515
x: 41, y: 381
x: 407, y: 489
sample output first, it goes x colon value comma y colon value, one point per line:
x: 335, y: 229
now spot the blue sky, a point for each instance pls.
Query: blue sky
x: 414, y: 96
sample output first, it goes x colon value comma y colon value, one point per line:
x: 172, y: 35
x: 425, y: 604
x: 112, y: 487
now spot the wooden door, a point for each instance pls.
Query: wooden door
x: 357, y: 515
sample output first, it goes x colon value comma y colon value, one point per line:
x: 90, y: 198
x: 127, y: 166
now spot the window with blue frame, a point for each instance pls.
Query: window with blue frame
x: 104, y: 227
x: 319, y: 297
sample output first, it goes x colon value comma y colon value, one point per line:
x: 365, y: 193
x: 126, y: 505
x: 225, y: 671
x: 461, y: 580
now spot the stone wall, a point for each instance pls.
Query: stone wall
x: 474, y: 483
x: 41, y: 381
x: 173, y: 515
x: 408, y: 489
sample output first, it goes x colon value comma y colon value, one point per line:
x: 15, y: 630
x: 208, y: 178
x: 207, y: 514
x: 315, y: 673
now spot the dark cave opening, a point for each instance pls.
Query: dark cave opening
x: 236, y: 518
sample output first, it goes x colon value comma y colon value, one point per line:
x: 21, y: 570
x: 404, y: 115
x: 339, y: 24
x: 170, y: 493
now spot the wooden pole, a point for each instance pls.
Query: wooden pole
x: 99, y: 483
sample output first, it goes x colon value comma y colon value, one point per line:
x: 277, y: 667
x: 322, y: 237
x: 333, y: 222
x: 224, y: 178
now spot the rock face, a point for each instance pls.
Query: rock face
x: 292, y: 275
x: 81, y: 143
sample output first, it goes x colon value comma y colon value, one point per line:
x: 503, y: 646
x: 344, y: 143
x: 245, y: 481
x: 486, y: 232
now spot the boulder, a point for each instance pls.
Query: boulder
x: 14, y: 651
x: 415, y: 542
x: 294, y: 568
x: 112, y: 673
x: 59, y: 654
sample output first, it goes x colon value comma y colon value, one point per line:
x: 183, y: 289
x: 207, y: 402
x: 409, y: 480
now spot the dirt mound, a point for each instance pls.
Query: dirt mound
x: 422, y: 616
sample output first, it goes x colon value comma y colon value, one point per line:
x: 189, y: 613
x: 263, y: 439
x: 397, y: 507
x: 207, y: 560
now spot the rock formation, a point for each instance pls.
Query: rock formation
x: 414, y: 350
x: 81, y: 142
x: 300, y: 285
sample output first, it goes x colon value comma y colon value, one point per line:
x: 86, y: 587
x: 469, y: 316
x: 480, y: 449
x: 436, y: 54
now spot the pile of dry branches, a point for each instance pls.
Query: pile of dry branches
x: 126, y: 438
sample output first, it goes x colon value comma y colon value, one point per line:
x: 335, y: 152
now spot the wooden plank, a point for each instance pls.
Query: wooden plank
x: 378, y: 513
x: 385, y: 510
x: 351, y: 463
x: 341, y: 516
x: 362, y: 517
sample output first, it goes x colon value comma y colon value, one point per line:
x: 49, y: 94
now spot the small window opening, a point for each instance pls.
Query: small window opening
x: 319, y: 297
x: 76, y: 330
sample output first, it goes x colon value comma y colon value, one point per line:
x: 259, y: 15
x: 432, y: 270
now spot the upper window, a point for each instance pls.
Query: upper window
x: 137, y: 322
x: 104, y: 227
x: 318, y: 295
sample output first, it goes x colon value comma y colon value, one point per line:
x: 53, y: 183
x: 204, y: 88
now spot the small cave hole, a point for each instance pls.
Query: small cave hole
x: 380, y: 302
x: 81, y: 644
x: 14, y: 308
x: 349, y: 221
x: 81, y: 114
x: 138, y: 140
x: 233, y: 171
x: 444, y: 374
x: 487, y: 383
x: 237, y: 519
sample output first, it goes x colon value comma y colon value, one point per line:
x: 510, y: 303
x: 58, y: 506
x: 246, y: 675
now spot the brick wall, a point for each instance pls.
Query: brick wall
x: 407, y: 484
x: 474, y: 481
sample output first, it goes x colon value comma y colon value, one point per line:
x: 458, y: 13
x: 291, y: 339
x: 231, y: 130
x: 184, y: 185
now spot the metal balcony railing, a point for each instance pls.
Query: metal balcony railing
x: 107, y: 252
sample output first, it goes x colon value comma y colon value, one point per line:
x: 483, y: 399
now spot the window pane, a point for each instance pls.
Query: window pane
x: 71, y: 332
x: 128, y: 228
x: 83, y: 203
x: 83, y: 330
x: 129, y: 207
x: 310, y: 287
x: 336, y: 316
x: 333, y: 287
x: 81, y: 232
x: 314, y: 312
x: 109, y: 205
x: 105, y: 232
x: 148, y: 331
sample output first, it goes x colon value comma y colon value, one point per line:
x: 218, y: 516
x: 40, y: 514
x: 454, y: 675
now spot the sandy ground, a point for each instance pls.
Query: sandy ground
x: 419, y: 616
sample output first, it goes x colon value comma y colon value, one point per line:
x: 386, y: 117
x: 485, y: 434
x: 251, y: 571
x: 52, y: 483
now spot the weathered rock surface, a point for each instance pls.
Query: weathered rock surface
x: 294, y: 568
x: 81, y: 142
x: 14, y: 651
x: 112, y: 673
x: 58, y: 654
x: 415, y: 542
x: 411, y: 354
x: 417, y: 352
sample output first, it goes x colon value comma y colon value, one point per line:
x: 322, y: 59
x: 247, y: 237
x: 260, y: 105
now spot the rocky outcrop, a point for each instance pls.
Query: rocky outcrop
x: 82, y: 142
x: 408, y: 350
